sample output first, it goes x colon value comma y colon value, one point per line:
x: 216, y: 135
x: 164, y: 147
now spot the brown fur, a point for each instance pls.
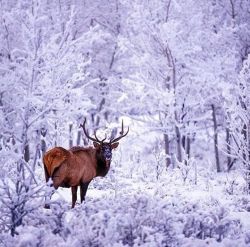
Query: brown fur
x: 78, y: 165
x: 73, y: 167
x: 53, y: 159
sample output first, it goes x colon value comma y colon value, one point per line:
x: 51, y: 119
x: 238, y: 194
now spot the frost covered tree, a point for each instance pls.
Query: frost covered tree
x: 105, y: 18
x: 38, y: 57
x: 240, y: 120
x: 43, y: 70
x: 229, y: 46
x: 21, y: 195
x: 162, y: 84
x: 184, y: 60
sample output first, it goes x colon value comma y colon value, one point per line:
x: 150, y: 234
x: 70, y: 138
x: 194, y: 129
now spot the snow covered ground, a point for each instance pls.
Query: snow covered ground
x: 212, y: 210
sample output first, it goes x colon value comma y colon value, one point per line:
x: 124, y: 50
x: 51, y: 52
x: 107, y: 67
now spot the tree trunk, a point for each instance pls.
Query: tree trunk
x: 56, y: 134
x: 188, y: 146
x: 27, y: 152
x: 78, y: 138
x: 216, y: 150
x: 70, y: 135
x: 25, y: 144
x: 171, y: 64
x: 246, y: 151
x: 178, y: 143
x: 167, y: 150
x: 228, y: 142
x: 43, y: 142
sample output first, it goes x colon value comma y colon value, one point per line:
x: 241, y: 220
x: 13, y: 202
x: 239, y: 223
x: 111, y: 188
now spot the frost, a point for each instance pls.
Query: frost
x: 176, y: 72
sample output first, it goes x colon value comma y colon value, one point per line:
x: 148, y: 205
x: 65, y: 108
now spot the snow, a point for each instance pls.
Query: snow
x: 176, y: 72
x: 156, y: 213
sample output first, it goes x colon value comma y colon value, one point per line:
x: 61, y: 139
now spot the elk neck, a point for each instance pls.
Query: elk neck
x: 102, y: 167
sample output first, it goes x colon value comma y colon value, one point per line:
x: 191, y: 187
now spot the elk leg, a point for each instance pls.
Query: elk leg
x: 84, y: 187
x: 47, y: 197
x: 47, y: 200
x: 46, y: 174
x: 74, y: 195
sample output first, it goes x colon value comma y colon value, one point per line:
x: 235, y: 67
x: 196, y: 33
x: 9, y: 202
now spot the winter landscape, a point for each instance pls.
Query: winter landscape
x: 175, y: 72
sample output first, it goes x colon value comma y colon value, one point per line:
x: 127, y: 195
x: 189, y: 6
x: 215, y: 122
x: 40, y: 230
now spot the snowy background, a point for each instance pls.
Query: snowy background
x: 177, y: 72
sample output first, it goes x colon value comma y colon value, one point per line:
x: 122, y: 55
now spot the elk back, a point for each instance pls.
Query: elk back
x: 54, y: 158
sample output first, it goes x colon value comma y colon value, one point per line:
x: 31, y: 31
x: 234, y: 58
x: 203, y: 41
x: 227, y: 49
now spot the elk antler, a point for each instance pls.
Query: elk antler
x: 88, y: 136
x: 121, y: 135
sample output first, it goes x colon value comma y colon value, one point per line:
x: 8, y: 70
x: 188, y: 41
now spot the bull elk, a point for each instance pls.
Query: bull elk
x: 79, y: 165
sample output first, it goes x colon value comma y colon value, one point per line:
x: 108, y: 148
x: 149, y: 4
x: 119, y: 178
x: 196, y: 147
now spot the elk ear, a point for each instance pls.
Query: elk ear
x: 96, y: 145
x: 114, y: 145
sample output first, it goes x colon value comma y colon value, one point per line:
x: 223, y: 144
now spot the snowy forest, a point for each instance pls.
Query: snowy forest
x: 175, y: 72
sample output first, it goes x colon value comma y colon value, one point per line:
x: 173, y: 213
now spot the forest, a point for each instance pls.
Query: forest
x: 175, y: 72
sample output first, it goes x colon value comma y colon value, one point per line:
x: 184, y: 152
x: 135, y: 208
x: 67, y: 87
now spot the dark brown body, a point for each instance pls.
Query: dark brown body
x: 73, y: 168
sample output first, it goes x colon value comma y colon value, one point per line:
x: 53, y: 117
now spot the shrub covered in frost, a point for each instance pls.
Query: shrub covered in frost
x: 134, y: 218
x: 128, y: 221
x: 216, y: 224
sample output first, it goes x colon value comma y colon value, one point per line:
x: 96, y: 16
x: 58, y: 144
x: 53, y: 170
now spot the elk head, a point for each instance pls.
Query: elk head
x: 104, y: 149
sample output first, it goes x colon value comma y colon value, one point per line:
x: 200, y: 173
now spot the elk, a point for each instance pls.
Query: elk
x: 79, y: 165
